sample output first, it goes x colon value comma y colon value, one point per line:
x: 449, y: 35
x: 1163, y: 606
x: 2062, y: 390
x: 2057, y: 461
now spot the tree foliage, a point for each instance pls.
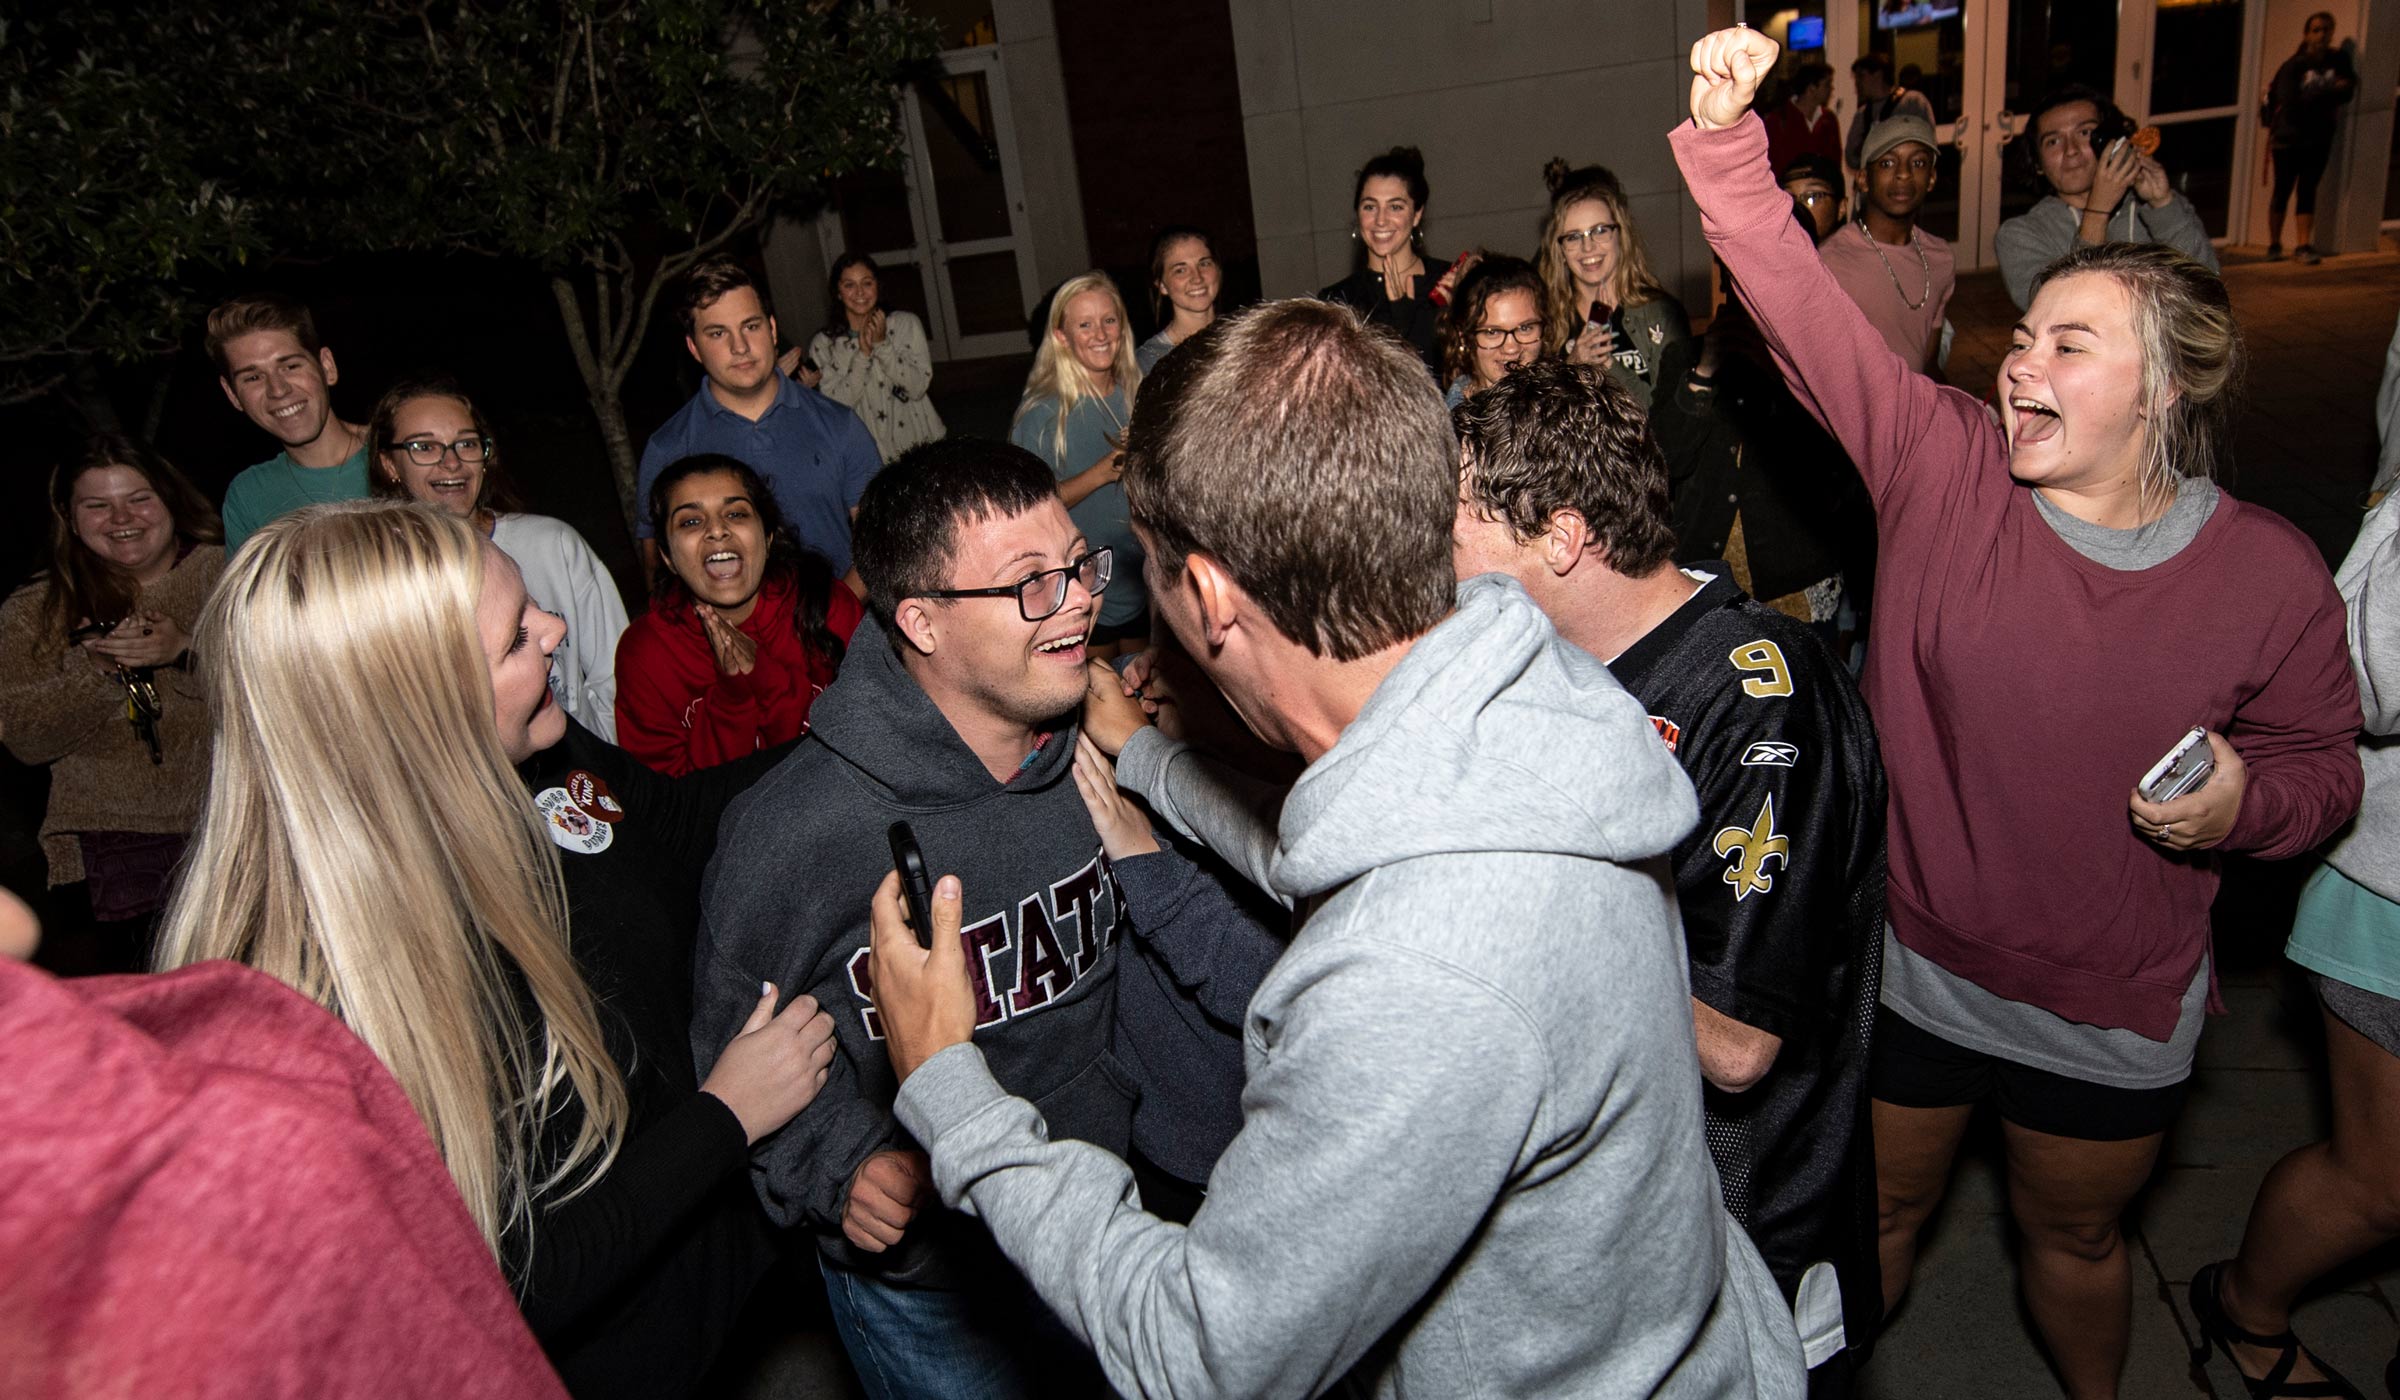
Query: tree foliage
x: 611, y: 145
x: 108, y: 208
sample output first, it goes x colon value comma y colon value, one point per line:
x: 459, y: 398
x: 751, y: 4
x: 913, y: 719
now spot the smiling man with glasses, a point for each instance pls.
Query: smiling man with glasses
x: 955, y: 712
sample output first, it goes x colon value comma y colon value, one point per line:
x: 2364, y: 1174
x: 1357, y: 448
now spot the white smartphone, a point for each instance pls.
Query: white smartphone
x: 2183, y: 770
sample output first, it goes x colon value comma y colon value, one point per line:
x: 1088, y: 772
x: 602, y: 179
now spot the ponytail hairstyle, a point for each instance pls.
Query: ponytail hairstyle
x: 80, y: 584
x: 2193, y: 356
x: 1059, y: 378
x: 499, y: 494
x: 366, y: 841
x: 1633, y: 282
x: 811, y: 576
x: 1489, y: 278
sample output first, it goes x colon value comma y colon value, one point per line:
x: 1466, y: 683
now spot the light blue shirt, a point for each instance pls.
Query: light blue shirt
x: 813, y: 453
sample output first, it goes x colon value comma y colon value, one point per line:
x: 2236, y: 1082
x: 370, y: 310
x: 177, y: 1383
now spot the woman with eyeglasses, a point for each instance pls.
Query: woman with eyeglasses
x: 1604, y: 305
x: 1396, y: 285
x: 745, y: 630
x: 1494, y: 324
x: 431, y: 445
x: 96, y: 683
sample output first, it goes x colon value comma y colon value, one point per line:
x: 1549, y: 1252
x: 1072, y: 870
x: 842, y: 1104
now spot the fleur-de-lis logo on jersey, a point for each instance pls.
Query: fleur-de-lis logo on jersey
x: 1751, y: 850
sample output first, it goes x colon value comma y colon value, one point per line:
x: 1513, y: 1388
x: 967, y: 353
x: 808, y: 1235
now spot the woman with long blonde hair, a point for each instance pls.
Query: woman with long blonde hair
x: 1077, y: 402
x: 1604, y: 305
x: 375, y: 673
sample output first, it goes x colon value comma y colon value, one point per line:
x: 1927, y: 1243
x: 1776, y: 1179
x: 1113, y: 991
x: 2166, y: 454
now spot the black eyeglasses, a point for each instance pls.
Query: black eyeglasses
x: 425, y: 452
x: 1041, y: 594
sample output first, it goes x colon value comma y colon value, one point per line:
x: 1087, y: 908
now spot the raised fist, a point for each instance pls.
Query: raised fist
x: 1727, y: 68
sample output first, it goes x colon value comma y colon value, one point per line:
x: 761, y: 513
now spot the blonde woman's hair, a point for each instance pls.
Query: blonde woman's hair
x: 2193, y: 357
x: 367, y: 841
x: 1059, y: 378
x: 1632, y: 284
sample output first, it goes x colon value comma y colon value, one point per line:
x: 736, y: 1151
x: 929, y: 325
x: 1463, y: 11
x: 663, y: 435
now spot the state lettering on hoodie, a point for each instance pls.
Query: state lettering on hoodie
x: 1057, y: 936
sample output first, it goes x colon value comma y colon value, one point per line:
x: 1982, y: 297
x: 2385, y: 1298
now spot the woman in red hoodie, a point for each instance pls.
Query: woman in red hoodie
x: 2064, y: 594
x: 746, y: 627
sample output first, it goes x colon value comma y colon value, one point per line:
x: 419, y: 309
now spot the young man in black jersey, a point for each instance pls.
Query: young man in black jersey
x: 1781, y: 885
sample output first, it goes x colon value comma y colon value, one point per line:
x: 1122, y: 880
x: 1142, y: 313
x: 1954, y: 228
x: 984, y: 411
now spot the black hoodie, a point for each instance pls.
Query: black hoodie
x: 786, y: 901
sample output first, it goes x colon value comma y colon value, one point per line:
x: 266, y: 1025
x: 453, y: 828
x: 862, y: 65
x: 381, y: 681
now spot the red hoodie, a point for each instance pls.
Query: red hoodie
x: 2019, y: 689
x: 677, y: 712
x: 210, y: 1188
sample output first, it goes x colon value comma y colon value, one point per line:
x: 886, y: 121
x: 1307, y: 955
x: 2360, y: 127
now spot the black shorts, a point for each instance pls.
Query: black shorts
x: 1911, y: 1067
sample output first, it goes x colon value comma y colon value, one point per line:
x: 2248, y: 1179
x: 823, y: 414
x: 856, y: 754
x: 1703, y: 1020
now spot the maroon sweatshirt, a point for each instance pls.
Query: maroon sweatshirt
x: 210, y: 1188
x: 677, y: 712
x: 2019, y: 689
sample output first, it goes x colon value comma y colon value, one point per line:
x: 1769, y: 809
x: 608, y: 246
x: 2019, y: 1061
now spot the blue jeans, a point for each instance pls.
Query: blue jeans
x: 996, y: 1342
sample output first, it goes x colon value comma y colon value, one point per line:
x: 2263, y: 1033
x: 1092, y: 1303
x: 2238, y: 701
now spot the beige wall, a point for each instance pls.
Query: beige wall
x: 1037, y: 91
x: 1489, y: 90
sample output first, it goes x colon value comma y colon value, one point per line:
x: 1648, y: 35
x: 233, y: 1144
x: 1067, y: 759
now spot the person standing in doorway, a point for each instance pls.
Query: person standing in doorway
x: 1879, y: 100
x: 2301, y: 104
x: 1899, y: 274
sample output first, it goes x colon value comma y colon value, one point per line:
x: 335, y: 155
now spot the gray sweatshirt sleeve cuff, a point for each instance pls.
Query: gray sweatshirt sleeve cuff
x: 946, y: 1091
x: 1142, y: 766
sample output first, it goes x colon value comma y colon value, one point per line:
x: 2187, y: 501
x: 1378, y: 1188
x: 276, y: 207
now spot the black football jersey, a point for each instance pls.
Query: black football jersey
x: 1781, y: 888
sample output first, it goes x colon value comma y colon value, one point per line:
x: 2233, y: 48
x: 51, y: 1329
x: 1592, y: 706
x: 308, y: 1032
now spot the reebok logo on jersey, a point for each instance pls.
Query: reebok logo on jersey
x: 1769, y: 754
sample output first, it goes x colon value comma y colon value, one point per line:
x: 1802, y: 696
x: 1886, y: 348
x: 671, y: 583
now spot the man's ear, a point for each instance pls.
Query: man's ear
x: 230, y: 396
x: 332, y: 372
x: 1216, y: 596
x: 692, y: 346
x: 917, y: 625
x: 1566, y: 542
x: 771, y: 336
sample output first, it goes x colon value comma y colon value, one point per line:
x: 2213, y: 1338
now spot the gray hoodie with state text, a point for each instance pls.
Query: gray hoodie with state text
x: 1471, y: 1159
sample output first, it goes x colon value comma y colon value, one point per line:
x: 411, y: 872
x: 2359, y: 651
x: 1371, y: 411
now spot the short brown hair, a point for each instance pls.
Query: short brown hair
x: 1308, y: 454
x: 1551, y: 436
x: 260, y: 311
x: 710, y: 280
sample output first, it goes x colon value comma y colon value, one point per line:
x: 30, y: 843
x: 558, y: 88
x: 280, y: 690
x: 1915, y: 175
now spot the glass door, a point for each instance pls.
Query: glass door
x: 2190, y: 87
x: 946, y: 228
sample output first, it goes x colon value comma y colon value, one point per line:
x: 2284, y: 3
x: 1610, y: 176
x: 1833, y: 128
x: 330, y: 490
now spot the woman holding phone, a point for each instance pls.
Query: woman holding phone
x: 2047, y: 944
x: 1605, y: 307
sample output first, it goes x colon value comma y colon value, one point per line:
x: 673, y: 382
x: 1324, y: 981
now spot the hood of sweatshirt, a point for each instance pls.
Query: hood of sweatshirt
x: 882, y: 723
x: 1492, y: 734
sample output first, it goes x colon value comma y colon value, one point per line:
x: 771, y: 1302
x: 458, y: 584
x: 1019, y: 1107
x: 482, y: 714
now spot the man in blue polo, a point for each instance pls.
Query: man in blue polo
x: 814, y: 453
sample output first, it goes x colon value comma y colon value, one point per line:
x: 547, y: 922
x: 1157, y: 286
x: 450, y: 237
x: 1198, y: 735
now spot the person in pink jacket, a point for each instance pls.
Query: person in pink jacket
x: 2067, y: 594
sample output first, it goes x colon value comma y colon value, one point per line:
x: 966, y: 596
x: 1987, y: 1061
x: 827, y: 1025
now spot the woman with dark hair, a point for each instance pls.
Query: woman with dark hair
x: 2105, y: 187
x: 430, y: 444
x: 2302, y: 102
x: 745, y: 629
x: 97, y: 687
x: 873, y: 360
x: 1494, y: 325
x: 1184, y: 281
x: 1395, y: 286
x: 1604, y: 305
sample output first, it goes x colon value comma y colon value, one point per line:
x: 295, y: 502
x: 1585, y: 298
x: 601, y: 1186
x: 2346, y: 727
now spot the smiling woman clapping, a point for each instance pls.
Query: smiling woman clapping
x: 746, y: 627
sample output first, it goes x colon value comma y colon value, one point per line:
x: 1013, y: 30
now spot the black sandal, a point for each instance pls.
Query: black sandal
x: 2216, y: 1329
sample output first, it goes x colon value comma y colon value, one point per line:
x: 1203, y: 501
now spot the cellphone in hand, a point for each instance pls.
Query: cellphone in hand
x: 915, y: 887
x: 2185, y: 767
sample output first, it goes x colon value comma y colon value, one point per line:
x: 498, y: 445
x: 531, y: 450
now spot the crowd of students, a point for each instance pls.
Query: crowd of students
x: 1415, y: 894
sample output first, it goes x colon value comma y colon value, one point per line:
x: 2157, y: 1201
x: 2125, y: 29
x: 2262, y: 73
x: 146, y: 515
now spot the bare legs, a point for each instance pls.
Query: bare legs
x: 2324, y: 1204
x: 2067, y: 1196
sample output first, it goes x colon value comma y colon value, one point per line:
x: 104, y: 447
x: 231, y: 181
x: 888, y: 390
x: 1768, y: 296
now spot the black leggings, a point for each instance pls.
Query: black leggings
x: 2299, y: 167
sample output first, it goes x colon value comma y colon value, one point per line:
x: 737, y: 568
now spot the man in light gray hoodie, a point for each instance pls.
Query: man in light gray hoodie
x: 1471, y: 1158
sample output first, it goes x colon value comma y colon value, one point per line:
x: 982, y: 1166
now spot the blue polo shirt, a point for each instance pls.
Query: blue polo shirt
x: 814, y: 454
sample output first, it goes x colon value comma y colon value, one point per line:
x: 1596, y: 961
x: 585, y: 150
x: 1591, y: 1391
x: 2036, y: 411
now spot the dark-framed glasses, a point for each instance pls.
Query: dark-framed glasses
x: 425, y: 452
x: 1523, y: 333
x: 1040, y: 594
x: 1576, y: 238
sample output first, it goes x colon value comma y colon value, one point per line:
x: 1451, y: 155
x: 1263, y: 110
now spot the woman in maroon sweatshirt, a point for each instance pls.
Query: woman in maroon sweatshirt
x: 746, y: 628
x: 2062, y: 595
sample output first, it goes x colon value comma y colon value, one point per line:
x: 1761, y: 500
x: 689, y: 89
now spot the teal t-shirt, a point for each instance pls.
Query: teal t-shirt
x: 280, y: 484
x: 1101, y: 515
x: 2347, y: 932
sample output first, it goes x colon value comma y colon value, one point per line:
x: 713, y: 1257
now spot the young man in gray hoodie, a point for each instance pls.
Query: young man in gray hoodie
x: 1471, y: 1158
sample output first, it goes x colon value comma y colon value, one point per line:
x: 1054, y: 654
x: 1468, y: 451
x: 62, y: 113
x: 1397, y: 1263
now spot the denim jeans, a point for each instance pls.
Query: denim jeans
x: 995, y: 1342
